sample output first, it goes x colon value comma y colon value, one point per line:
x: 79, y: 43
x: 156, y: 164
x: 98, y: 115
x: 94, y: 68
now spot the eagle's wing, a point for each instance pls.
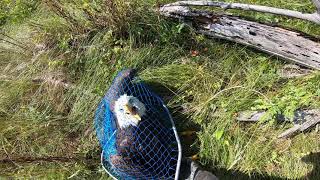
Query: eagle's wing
x: 128, y: 158
x: 126, y: 141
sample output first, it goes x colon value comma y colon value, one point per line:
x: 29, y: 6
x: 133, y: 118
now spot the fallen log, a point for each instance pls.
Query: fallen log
x: 289, y: 45
x: 303, y: 120
x: 312, y: 17
x: 313, y: 118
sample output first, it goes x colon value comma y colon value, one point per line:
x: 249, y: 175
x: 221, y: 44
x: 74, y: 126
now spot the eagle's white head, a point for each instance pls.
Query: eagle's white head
x: 128, y: 111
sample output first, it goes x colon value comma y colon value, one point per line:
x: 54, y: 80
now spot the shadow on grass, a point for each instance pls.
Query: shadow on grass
x: 182, y: 120
x: 314, y: 159
x: 190, y: 144
x: 224, y: 174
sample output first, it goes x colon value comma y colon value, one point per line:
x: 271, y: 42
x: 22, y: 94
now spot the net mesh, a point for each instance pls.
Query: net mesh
x: 152, y: 150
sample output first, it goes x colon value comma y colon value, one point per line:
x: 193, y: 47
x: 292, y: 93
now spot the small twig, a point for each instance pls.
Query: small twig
x: 9, y: 37
x: 12, y: 43
x: 8, y: 157
x: 314, y: 17
x: 40, y: 159
x: 74, y: 174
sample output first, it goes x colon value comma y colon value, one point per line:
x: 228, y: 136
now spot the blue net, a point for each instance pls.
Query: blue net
x: 153, y: 150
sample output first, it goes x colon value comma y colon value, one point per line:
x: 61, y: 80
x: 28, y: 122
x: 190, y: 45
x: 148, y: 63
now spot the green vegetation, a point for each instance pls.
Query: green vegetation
x: 58, y: 58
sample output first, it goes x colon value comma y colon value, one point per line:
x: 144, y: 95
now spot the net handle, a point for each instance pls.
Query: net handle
x: 178, y: 142
x: 104, y: 168
x: 103, y: 158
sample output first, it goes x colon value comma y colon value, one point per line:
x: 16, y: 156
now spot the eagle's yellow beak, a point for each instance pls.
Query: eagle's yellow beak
x: 137, y: 117
x: 133, y: 112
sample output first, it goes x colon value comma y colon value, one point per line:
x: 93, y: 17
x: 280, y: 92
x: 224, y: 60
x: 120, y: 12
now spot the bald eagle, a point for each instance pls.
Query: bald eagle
x: 137, y: 134
x: 129, y: 112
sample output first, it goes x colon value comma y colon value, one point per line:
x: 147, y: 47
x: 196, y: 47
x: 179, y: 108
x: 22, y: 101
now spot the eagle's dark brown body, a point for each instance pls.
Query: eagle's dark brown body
x: 128, y: 151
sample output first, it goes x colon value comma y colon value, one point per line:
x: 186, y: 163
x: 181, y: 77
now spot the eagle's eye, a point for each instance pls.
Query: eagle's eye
x: 134, y: 109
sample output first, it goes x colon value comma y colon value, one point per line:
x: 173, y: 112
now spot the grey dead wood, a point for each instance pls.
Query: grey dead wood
x: 290, y: 132
x: 313, y: 17
x: 252, y: 116
x: 289, y: 45
x: 255, y: 116
x: 312, y: 118
x: 303, y: 119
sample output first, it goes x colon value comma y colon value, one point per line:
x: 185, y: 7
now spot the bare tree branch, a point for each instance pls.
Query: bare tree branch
x: 14, y: 44
x: 315, y: 17
x: 41, y: 159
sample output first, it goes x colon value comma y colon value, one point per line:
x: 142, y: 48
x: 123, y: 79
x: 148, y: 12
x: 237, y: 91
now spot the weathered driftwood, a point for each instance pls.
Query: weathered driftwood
x: 255, y: 116
x: 289, y: 45
x: 300, y: 116
x: 252, y: 116
x: 312, y: 118
x: 290, y: 132
x: 303, y: 119
x: 314, y: 17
